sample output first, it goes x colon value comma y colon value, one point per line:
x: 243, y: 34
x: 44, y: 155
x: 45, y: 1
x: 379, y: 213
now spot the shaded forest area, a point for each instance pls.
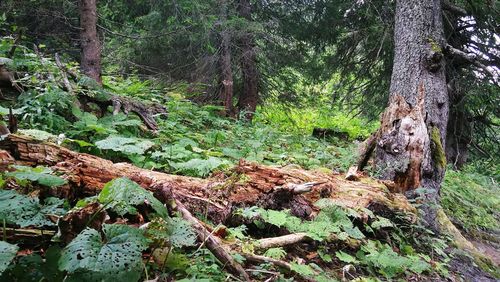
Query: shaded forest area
x: 217, y: 140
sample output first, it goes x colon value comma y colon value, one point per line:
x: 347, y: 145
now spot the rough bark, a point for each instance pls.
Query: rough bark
x: 89, y: 41
x: 246, y: 185
x: 226, y: 72
x: 413, y: 127
x: 249, y: 97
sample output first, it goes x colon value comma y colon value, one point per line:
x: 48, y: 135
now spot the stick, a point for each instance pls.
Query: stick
x: 210, y: 241
x: 281, y: 241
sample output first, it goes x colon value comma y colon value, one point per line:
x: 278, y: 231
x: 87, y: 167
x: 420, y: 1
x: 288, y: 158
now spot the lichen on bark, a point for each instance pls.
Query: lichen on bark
x: 438, y: 154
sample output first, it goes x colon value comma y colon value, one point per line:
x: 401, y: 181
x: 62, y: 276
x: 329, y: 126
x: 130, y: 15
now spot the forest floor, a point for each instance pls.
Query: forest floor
x: 266, y: 197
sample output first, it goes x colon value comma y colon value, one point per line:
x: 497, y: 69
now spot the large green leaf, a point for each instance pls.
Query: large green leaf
x: 122, y: 194
x: 39, y: 174
x: 114, y: 256
x: 25, y: 211
x: 7, y: 253
x: 125, y: 145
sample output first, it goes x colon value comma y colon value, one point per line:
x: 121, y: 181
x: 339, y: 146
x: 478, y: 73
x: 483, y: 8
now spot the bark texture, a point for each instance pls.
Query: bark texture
x: 226, y: 72
x: 89, y: 41
x: 249, y: 97
x: 410, y: 144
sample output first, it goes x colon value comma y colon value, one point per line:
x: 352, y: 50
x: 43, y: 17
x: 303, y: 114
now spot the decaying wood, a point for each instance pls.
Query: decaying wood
x: 248, y: 184
x: 281, y: 241
x: 352, y: 174
x: 402, y: 141
x: 366, y: 150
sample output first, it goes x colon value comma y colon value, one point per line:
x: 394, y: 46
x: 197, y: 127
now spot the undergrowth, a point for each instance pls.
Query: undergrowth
x: 195, y: 140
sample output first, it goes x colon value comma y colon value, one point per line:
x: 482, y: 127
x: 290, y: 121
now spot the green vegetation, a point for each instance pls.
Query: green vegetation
x: 290, y: 84
x: 472, y: 200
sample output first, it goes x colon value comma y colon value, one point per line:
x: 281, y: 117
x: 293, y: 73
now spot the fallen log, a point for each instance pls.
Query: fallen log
x: 247, y: 184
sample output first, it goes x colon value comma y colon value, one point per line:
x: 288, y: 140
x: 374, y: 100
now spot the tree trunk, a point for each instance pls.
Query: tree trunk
x: 246, y: 185
x: 249, y: 97
x: 89, y: 42
x: 413, y: 127
x: 226, y: 77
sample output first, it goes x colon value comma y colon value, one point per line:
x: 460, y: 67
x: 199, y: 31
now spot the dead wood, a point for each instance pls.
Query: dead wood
x: 281, y: 241
x: 248, y: 184
x: 366, y: 150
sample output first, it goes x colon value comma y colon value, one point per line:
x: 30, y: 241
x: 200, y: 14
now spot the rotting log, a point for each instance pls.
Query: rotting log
x: 247, y: 184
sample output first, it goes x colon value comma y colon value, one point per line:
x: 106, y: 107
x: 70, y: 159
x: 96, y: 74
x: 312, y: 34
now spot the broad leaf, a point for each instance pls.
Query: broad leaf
x: 25, y: 211
x: 39, y: 174
x: 7, y: 254
x: 116, y: 256
x: 122, y: 194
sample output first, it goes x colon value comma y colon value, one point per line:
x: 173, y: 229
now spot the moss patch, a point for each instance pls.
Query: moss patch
x: 438, y: 154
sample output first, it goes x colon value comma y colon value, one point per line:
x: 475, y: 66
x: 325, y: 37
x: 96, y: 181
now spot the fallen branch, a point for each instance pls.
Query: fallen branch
x: 281, y: 241
x: 212, y: 243
x: 366, y: 150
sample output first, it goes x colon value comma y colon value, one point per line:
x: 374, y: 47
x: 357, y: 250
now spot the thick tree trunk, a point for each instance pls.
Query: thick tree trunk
x: 413, y: 127
x: 249, y: 98
x: 226, y: 72
x: 247, y: 184
x: 89, y: 42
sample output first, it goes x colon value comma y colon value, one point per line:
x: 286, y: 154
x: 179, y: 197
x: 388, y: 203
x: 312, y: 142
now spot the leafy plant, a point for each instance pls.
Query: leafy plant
x: 25, y: 211
x: 122, y: 194
x: 42, y: 175
x: 116, y: 255
x: 7, y: 254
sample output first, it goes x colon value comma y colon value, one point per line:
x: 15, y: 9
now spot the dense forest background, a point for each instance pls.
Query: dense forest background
x: 191, y: 87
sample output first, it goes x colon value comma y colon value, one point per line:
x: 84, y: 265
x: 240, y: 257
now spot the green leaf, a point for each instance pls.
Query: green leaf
x: 181, y: 233
x: 122, y: 194
x: 7, y: 254
x: 200, y: 167
x: 125, y: 145
x: 115, y: 256
x: 345, y: 257
x: 25, y: 211
x: 381, y: 222
x: 39, y: 174
x: 302, y: 269
x: 275, y: 253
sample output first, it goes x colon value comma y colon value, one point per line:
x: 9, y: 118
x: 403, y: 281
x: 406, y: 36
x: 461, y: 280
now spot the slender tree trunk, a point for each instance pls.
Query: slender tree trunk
x: 226, y: 76
x: 413, y: 127
x: 250, y: 96
x: 89, y: 42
